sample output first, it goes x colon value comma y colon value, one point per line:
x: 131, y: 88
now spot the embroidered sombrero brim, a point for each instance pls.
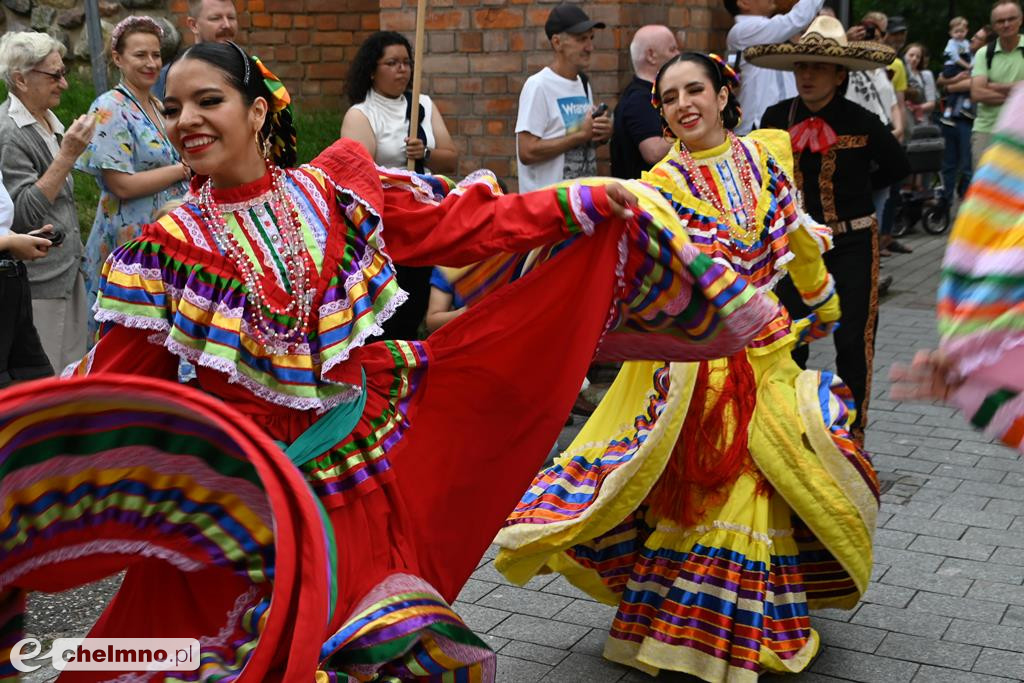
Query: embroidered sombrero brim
x: 856, y: 56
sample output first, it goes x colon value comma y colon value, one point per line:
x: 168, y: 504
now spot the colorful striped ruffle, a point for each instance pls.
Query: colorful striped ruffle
x: 97, y: 473
x: 201, y: 313
x: 404, y: 630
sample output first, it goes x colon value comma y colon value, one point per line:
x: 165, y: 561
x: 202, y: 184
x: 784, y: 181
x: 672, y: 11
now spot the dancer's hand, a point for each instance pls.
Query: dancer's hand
x: 927, y: 377
x: 622, y: 200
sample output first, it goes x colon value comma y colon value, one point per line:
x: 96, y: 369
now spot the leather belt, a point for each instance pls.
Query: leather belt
x: 852, y: 225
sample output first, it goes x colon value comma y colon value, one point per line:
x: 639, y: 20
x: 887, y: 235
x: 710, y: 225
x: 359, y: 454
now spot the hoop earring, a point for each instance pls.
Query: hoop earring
x: 262, y: 145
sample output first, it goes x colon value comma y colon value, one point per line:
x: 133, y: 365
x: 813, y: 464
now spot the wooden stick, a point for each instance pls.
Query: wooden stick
x: 417, y: 73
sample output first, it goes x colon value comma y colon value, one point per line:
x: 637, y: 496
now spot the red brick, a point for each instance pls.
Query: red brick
x: 302, y: 21
x: 331, y: 37
x: 445, y: 64
x: 325, y: 70
x: 471, y: 126
x: 390, y: 4
x: 260, y: 20
x: 495, y: 84
x: 309, y: 53
x: 496, y: 41
x: 441, y: 41
x: 499, y: 63
x: 496, y: 105
x: 369, y: 22
x: 469, y: 41
x: 496, y: 127
x: 268, y: 37
x: 398, y: 20
x: 284, y: 53
x: 310, y: 87
x: 325, y: 22
x: 493, y: 146
x: 282, y: 20
x: 520, y: 40
x: 498, y: 18
x: 255, y: 6
x: 471, y: 85
x: 273, y: 6
x: 332, y: 54
x: 443, y: 85
x: 450, y: 19
x: 333, y: 88
x: 537, y: 17
x: 286, y: 71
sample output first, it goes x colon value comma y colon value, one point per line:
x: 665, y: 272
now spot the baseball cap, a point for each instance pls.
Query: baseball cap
x: 896, y: 25
x: 567, y: 18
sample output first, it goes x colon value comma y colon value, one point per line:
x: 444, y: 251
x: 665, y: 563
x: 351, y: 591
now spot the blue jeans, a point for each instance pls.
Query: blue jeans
x: 956, y: 161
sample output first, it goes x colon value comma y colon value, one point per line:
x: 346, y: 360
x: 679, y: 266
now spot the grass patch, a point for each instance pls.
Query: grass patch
x: 314, y: 130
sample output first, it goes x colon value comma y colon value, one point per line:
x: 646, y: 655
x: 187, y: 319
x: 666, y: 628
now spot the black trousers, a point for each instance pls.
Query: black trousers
x: 21, y: 353
x: 853, y: 263
x: 405, y: 323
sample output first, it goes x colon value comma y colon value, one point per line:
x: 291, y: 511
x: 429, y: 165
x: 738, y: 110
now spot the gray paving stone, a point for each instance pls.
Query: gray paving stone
x: 515, y: 670
x: 991, y: 449
x: 890, y: 417
x: 478, y: 617
x: 944, y: 412
x: 1014, y: 617
x: 943, y: 483
x: 880, y: 445
x: 475, y: 589
x: 849, y: 636
x: 954, y: 499
x: 587, y: 613
x: 945, y: 457
x: 560, y: 586
x: 906, y: 558
x: 890, y: 463
x: 928, y: 651
x: 928, y: 527
x: 891, y: 596
x: 987, y: 635
x: 534, y: 652
x: 1001, y: 464
x: 581, y: 668
x: 995, y: 537
x: 901, y: 621
x: 557, y: 634
x: 914, y: 508
x: 487, y: 572
x: 865, y: 668
x: 523, y: 601
x: 1014, y: 479
x: 1006, y: 507
x: 987, y: 590
x: 971, y: 473
x: 961, y: 549
x: 910, y: 577
x: 989, y: 571
x: 982, y: 518
x: 494, y: 642
x: 898, y: 540
x: 1008, y: 556
x: 1000, y: 663
x: 960, y: 608
x: 592, y: 643
x: 934, y: 674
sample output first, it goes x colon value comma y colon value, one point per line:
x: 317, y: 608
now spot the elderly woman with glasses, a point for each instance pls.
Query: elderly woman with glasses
x: 378, y: 90
x: 36, y: 158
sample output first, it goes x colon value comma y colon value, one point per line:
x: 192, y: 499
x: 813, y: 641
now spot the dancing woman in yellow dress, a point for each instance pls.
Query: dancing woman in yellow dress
x: 715, y: 502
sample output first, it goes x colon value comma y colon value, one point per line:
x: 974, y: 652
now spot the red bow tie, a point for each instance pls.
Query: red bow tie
x: 813, y: 134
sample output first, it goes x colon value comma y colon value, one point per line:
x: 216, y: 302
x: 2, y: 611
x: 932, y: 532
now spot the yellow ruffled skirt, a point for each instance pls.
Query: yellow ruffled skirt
x: 727, y: 598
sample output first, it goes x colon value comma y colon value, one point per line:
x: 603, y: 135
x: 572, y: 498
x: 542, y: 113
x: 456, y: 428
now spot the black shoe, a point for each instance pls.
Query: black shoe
x: 898, y: 247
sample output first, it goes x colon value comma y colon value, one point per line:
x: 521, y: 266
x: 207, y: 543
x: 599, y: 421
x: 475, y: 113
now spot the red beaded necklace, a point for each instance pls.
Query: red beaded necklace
x: 293, y: 253
x: 746, y: 188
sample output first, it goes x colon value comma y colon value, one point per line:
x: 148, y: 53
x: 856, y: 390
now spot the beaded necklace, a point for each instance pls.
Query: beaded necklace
x: 750, y: 229
x: 293, y: 253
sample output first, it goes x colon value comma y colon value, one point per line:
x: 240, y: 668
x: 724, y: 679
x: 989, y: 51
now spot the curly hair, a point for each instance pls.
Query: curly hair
x: 243, y: 74
x: 360, y: 71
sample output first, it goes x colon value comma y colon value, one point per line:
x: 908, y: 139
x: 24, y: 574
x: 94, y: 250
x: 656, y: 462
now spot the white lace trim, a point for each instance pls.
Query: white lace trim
x: 137, y: 322
x: 718, y: 524
x: 194, y: 231
x: 107, y: 546
x: 420, y: 189
x: 576, y: 204
x: 481, y: 176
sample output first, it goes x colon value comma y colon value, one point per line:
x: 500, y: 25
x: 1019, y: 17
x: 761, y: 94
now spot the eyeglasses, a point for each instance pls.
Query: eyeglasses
x: 395, y: 63
x: 1007, y: 20
x: 57, y: 76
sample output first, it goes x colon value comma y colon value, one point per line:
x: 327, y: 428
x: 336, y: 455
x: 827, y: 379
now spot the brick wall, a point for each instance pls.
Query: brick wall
x: 478, y: 54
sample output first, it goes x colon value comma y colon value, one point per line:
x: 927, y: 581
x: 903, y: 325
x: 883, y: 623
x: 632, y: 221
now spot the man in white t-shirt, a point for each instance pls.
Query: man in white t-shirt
x: 558, y: 125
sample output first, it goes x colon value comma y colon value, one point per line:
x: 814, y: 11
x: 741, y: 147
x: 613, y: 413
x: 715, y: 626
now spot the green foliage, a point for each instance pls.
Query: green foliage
x: 315, y: 131
x: 928, y: 21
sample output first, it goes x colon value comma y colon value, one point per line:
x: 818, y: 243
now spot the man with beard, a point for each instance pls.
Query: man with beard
x: 211, y: 21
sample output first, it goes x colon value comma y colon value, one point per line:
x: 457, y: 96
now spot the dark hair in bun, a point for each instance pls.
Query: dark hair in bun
x: 717, y: 74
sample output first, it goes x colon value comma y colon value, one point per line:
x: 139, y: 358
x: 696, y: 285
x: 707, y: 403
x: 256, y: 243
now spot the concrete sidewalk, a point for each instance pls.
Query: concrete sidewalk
x: 946, y: 602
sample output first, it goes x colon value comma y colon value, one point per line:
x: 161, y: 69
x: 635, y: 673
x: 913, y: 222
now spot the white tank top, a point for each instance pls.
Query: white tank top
x: 390, y: 126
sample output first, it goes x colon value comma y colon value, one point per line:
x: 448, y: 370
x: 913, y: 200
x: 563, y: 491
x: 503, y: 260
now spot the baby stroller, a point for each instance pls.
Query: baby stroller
x: 923, y: 202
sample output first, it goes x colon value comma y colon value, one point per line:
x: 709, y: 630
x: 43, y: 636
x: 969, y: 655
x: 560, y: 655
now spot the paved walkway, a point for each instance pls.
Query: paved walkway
x: 946, y: 602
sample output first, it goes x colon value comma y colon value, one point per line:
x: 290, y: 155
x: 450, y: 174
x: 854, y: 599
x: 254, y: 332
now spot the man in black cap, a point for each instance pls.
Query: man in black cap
x: 558, y: 125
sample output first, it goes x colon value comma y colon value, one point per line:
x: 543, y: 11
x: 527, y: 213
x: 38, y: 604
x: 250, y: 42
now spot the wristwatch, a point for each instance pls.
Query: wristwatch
x: 426, y: 156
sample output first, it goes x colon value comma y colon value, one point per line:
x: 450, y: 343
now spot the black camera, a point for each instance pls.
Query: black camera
x: 56, y: 237
x: 870, y: 30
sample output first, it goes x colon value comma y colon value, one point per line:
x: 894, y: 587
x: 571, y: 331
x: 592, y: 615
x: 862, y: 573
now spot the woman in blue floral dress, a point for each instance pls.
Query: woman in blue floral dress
x: 136, y: 167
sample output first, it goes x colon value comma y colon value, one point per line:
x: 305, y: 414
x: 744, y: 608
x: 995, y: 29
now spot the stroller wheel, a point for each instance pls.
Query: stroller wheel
x: 936, y: 219
x: 902, y: 221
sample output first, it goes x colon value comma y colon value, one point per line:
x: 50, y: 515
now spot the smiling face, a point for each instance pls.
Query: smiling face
x: 817, y: 82
x: 691, y: 106
x: 210, y: 124
x: 394, y: 71
x: 139, y: 59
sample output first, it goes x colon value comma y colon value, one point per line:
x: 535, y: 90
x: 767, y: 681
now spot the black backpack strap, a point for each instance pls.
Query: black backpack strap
x: 990, y: 53
x: 586, y: 85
